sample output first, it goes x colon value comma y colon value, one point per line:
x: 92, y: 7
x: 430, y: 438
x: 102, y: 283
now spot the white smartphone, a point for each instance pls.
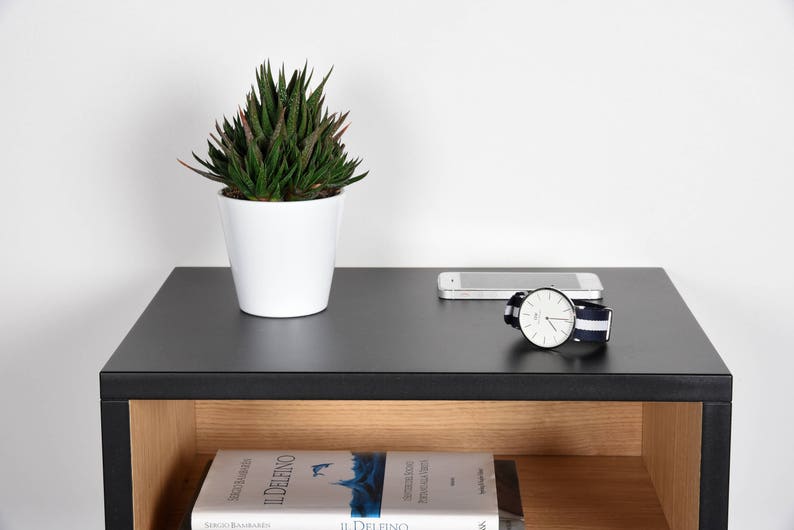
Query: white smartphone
x: 503, y: 285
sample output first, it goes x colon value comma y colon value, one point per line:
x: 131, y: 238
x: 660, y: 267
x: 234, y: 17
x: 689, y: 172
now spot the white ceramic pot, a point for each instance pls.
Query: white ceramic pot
x: 282, y: 253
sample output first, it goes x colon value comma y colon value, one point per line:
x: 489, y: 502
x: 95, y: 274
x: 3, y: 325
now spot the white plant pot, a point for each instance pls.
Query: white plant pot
x: 282, y: 253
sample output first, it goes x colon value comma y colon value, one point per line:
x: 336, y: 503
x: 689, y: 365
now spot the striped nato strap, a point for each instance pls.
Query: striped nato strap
x: 593, y: 321
x: 513, y: 307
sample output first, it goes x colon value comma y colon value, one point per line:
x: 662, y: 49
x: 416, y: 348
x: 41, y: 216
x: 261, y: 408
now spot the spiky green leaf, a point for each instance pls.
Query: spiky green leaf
x: 282, y: 145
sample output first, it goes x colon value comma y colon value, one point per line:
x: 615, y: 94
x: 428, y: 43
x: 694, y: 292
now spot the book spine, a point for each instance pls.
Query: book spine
x: 215, y: 521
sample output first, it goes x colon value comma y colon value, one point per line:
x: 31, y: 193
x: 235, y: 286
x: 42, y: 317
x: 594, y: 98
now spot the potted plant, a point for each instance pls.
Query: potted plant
x: 284, y: 169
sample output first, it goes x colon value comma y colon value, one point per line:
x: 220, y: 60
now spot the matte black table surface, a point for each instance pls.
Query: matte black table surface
x: 387, y: 335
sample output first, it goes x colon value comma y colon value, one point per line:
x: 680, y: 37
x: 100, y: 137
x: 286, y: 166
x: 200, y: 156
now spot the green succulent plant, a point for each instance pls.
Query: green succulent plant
x: 283, y: 146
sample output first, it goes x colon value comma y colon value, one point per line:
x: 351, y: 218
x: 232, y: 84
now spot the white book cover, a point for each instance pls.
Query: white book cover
x: 343, y: 490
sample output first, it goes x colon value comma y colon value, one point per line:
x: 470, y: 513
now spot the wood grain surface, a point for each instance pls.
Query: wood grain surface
x: 582, y: 465
x: 588, y: 493
x: 163, y: 447
x: 507, y: 427
x: 671, y: 451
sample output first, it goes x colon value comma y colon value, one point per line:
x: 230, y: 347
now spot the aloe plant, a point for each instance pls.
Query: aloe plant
x: 283, y: 146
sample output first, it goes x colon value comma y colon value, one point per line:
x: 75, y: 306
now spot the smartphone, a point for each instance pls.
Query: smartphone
x: 503, y: 285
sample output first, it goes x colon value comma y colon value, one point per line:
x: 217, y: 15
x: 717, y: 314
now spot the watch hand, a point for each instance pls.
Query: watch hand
x: 552, y: 318
x: 550, y: 324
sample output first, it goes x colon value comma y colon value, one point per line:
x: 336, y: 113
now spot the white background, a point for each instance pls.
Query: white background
x: 512, y: 133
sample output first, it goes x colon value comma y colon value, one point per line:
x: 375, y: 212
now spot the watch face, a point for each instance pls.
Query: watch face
x: 547, y: 317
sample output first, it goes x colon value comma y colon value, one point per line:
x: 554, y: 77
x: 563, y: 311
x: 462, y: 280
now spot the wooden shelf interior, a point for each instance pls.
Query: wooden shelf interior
x: 582, y: 465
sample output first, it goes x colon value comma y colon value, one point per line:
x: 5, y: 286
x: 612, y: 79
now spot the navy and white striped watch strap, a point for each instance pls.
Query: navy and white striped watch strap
x: 513, y: 307
x: 593, y: 321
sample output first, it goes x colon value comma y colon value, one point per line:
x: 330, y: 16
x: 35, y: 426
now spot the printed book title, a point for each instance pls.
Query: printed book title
x: 361, y: 525
x: 276, y: 489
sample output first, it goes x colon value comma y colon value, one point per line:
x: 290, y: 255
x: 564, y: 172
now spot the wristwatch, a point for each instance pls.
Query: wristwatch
x: 548, y: 318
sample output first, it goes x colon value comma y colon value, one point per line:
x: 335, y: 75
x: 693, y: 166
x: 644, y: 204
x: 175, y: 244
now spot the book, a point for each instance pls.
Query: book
x: 511, y: 513
x: 343, y: 490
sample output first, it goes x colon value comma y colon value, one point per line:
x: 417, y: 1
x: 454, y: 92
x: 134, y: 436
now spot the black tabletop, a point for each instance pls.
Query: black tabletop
x: 386, y: 335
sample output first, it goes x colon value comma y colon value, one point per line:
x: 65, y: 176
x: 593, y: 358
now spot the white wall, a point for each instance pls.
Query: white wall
x: 565, y: 133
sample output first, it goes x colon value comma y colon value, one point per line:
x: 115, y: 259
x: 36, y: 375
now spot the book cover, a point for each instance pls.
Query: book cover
x: 342, y: 490
x: 511, y: 512
x: 507, y: 491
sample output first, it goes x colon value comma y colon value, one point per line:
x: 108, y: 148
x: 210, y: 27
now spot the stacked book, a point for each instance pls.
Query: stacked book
x: 343, y: 490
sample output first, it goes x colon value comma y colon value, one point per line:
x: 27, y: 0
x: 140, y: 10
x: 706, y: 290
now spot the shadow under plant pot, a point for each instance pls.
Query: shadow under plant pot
x: 282, y: 254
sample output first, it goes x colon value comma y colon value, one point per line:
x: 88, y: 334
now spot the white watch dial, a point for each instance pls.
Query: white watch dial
x: 547, y: 317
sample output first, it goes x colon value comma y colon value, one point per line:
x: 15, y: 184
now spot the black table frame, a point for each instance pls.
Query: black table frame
x: 118, y: 387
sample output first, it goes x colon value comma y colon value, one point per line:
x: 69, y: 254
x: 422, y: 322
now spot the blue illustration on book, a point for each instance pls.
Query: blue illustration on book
x: 319, y: 467
x: 367, y: 486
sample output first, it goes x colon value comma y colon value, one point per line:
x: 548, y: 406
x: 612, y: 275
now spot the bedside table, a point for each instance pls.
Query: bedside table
x: 633, y: 435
